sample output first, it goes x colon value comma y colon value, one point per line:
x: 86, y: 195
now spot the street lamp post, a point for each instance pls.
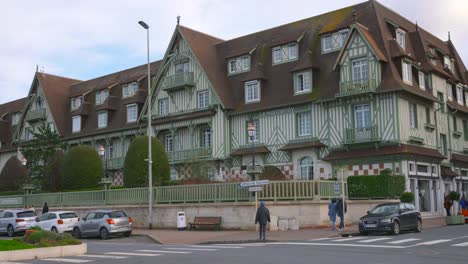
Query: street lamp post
x: 102, y: 154
x: 149, y: 132
x: 251, y: 129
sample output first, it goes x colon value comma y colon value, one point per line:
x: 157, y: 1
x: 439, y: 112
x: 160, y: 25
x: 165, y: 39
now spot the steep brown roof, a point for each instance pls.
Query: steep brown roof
x: 6, y: 129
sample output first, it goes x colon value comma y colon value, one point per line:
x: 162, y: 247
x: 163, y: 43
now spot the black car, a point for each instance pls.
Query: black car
x: 391, y: 218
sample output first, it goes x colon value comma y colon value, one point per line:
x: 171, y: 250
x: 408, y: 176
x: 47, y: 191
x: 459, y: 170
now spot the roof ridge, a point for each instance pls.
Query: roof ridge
x: 58, y: 76
x: 199, y: 32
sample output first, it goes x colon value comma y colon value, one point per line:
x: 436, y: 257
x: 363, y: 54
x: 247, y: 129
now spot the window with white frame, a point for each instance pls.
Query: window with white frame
x: 163, y: 106
x: 101, y: 96
x: 303, y: 82
x: 132, y: 113
x: 51, y: 126
x: 173, y: 173
x: 334, y: 41
x: 459, y: 95
x: 362, y: 116
x: 360, y: 69
x: 252, y: 91
x: 449, y: 92
x: 203, y: 99
x: 400, y: 38
x: 256, y: 137
x: 452, y: 65
x: 129, y: 89
x: 304, y: 124
x: 102, y: 119
x: 182, y: 67
x: 168, y: 143
x: 413, y: 115
x: 205, y: 137
x: 422, y: 80
x: 434, y: 170
x: 443, y: 144
x: 447, y: 62
x: 307, y: 168
x: 239, y: 64
x: 76, y: 102
x: 285, y: 53
x: 423, y: 169
x: 76, y: 124
x: 15, y: 118
x: 466, y: 98
x: 412, y: 167
x: 407, y: 76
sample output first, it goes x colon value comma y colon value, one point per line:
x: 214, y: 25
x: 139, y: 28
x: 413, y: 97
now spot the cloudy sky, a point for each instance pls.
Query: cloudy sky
x: 88, y: 38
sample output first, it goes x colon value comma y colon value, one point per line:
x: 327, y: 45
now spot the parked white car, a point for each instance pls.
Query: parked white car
x: 16, y: 221
x: 59, y: 222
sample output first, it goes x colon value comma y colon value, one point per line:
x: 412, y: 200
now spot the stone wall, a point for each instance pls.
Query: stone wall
x: 239, y: 215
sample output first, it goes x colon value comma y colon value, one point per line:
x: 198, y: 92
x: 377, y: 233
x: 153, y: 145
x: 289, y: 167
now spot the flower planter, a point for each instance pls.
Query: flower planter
x: 455, y: 220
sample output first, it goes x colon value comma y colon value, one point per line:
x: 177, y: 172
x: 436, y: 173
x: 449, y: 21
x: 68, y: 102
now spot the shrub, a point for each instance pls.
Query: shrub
x: 373, y: 187
x: 54, y: 172
x: 45, y: 238
x: 136, y: 168
x: 13, y: 175
x: 82, y: 168
x: 407, y: 197
x: 454, y: 196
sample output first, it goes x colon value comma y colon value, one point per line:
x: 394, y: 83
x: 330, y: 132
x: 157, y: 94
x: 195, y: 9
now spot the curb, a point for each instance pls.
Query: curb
x: 42, y: 253
x: 150, y: 237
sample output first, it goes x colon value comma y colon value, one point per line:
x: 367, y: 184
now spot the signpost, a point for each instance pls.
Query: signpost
x: 255, y: 189
x: 336, y: 187
x: 255, y: 186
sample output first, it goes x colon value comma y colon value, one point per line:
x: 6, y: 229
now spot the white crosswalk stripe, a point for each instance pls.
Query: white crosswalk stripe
x: 401, y: 241
x: 133, y: 254
x: 347, y: 239
x: 433, y: 242
x: 67, y: 260
x: 103, y: 256
x: 2, y: 262
x: 243, y: 245
x: 164, y: 251
x: 322, y: 239
x: 216, y: 246
x: 196, y: 249
x: 373, y: 240
x: 465, y: 244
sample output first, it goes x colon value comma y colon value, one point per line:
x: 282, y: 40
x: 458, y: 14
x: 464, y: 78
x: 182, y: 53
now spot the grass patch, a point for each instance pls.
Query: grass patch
x: 6, y: 245
x: 39, y: 239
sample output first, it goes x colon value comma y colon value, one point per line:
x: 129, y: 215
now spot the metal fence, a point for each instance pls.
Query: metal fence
x: 218, y: 192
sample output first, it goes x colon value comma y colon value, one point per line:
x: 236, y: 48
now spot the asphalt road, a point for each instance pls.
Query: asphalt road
x: 437, y: 245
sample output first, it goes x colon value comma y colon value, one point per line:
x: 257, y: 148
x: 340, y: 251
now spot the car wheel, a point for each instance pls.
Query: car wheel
x: 103, y: 233
x: 10, y: 231
x: 76, y: 233
x: 54, y: 229
x: 396, y: 228
x: 127, y: 234
x: 419, y: 226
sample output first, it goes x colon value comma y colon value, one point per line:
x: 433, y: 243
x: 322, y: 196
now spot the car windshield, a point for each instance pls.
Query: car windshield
x: 68, y: 215
x: 117, y: 214
x: 387, y: 209
x: 26, y: 214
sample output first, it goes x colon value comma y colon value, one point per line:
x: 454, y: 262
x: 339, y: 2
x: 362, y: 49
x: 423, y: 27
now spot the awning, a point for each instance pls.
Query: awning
x: 447, y: 172
x: 459, y: 158
x: 303, y: 144
x: 247, y: 151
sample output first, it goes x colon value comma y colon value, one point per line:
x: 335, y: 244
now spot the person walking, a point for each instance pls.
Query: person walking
x: 45, y: 209
x: 339, y: 211
x: 463, y: 203
x: 262, y: 218
x: 332, y: 213
x: 447, y: 205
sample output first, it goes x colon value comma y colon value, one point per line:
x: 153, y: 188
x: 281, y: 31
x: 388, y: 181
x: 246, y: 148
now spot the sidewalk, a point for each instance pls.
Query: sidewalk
x: 167, y: 236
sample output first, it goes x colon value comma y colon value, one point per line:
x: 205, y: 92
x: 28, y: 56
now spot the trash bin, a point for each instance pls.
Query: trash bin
x: 181, y: 221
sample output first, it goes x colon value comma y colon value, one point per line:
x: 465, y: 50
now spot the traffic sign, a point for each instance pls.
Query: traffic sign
x: 336, y: 187
x: 254, y: 183
x: 255, y: 189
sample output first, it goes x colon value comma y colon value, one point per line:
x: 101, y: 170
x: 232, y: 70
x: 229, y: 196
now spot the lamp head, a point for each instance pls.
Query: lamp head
x: 143, y: 24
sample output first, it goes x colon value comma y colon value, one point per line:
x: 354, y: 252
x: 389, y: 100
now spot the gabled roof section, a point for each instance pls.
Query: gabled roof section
x: 6, y: 129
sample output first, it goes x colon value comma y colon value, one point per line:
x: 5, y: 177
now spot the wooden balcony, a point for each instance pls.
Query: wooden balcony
x: 83, y: 110
x: 110, y: 103
x: 254, y: 170
x: 361, y: 135
x: 178, y: 81
x: 189, y: 155
x: 355, y: 87
x: 36, y: 115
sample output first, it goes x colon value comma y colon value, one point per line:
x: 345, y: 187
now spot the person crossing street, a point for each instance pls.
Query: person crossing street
x: 262, y: 218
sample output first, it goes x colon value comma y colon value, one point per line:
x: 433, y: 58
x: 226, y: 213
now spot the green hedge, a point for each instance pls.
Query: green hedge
x: 82, y: 168
x: 376, y: 187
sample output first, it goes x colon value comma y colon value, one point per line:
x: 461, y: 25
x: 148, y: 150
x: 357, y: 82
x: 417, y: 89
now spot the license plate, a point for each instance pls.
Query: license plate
x: 370, y: 225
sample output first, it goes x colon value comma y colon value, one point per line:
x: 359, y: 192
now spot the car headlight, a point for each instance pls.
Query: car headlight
x: 386, y: 220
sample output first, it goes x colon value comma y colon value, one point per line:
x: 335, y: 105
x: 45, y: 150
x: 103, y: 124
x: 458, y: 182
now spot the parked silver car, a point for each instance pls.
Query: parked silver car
x: 16, y: 221
x: 103, y: 223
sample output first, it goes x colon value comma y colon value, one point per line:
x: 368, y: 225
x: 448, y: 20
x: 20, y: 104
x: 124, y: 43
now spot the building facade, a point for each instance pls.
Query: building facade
x: 351, y: 92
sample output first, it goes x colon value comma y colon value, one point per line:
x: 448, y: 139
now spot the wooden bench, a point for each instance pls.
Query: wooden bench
x: 206, y: 221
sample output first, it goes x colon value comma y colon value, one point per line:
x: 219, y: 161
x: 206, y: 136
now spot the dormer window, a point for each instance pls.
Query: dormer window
x: 39, y: 103
x: 459, y: 95
x: 447, y: 62
x: 76, y: 102
x: 452, y: 65
x: 239, y: 64
x: 466, y: 99
x: 400, y: 38
x: 252, y: 92
x: 101, y: 96
x: 102, y: 119
x: 422, y: 80
x: 449, y: 92
x: 15, y: 118
x: 407, y: 75
x: 302, y: 82
x: 285, y: 53
x: 334, y: 41
x: 129, y: 90
x: 76, y: 124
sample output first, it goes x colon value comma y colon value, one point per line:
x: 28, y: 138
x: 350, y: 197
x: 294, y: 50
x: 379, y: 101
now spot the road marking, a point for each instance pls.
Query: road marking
x: 321, y: 239
x: 68, y: 260
x: 401, y: 241
x: 433, y: 242
x: 461, y: 245
x: 133, y: 254
x: 243, y: 245
x: 2, y: 262
x: 164, y: 251
x: 190, y: 249
x: 215, y: 246
x: 347, y: 239
x: 374, y: 240
x: 103, y: 256
x: 336, y: 244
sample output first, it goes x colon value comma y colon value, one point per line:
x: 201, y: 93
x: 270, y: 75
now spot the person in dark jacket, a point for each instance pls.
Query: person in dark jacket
x: 339, y: 211
x: 262, y: 218
x: 45, y: 209
x: 332, y: 213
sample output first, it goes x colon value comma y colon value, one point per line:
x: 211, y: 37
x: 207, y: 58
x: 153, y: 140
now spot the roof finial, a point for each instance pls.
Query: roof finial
x: 354, y: 15
x: 417, y: 27
x: 449, y: 35
x: 178, y: 20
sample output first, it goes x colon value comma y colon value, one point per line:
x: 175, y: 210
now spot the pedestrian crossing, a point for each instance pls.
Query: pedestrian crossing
x: 386, y: 242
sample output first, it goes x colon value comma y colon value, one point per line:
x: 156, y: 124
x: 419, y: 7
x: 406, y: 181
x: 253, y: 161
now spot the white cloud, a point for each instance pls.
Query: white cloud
x: 85, y: 39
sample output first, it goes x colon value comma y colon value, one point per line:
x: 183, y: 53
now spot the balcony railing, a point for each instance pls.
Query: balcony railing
x: 361, y: 135
x: 36, y: 115
x: 110, y: 103
x: 115, y: 163
x: 357, y: 87
x: 189, y: 155
x: 83, y: 110
x: 178, y: 81
x: 253, y: 170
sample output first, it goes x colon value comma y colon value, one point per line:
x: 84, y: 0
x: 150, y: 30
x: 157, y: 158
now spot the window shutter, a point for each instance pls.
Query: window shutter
x: 465, y: 129
x: 428, y: 115
x: 416, y: 116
